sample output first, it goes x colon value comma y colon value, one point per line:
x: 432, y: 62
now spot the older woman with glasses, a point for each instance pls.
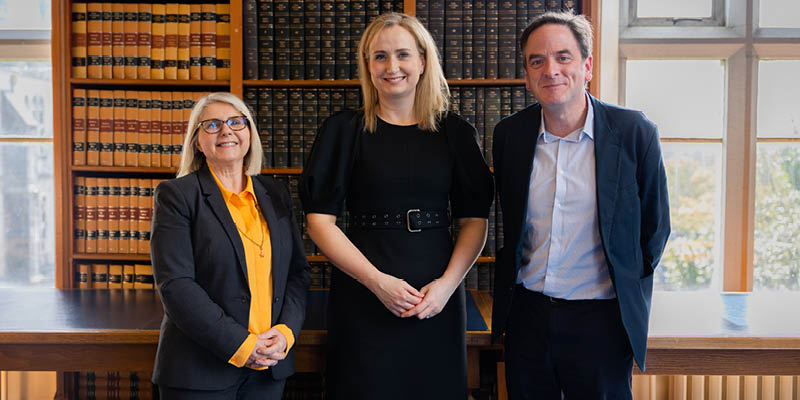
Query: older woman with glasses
x: 228, y: 262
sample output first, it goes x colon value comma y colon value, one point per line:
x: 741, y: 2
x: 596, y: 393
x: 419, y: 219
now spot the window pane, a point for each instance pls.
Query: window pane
x: 25, y: 14
x: 690, y: 261
x: 779, y: 14
x: 685, y: 98
x: 776, y: 262
x: 27, y: 224
x: 674, y: 8
x: 778, y: 87
x: 26, y: 105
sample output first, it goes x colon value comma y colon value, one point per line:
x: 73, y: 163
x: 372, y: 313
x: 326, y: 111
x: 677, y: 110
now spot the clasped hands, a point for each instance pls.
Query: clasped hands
x: 404, y: 301
x: 270, y: 348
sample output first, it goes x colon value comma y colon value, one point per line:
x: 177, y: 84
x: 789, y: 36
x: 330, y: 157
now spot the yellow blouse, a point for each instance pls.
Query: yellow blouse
x: 254, y: 233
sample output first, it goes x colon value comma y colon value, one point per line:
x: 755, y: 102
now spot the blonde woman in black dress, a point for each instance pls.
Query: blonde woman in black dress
x: 402, y: 164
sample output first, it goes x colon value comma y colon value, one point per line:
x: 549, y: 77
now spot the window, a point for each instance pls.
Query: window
x: 27, y: 237
x: 724, y: 95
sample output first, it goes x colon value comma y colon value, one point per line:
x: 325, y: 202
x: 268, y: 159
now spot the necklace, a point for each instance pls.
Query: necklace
x: 263, y: 236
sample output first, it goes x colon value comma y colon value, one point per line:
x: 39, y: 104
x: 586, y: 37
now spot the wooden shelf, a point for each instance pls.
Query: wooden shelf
x: 111, y: 257
x: 485, y: 82
x: 303, y: 83
x: 170, y: 170
x: 148, y: 82
x: 357, y: 83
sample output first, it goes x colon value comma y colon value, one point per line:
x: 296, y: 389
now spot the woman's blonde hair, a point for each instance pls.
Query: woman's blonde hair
x: 432, y: 94
x: 191, y: 156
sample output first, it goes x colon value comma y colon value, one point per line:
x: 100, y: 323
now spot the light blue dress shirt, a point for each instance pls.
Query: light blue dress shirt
x: 562, y: 255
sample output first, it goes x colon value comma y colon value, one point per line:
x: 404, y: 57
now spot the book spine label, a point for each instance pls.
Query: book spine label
x: 79, y: 40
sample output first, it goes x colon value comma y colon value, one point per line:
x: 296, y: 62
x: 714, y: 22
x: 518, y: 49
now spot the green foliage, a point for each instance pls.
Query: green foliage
x: 688, y: 261
x: 776, y: 264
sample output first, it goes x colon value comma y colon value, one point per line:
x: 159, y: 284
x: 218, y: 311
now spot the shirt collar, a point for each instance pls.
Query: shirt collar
x: 227, y: 194
x: 577, y: 135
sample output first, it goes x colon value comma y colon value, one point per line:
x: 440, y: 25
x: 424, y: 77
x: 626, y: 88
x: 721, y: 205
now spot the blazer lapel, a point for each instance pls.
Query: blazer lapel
x: 268, y: 210
x: 523, y: 146
x: 606, y: 149
x: 217, y: 204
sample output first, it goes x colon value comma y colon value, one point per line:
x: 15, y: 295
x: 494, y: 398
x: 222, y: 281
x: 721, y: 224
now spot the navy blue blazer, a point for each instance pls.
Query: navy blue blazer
x: 201, y: 275
x: 632, y: 205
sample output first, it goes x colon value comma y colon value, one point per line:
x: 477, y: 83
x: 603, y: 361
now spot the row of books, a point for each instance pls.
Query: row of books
x: 113, y: 215
x: 288, y: 119
x: 114, y: 40
x: 97, y: 385
x: 129, y: 128
x: 307, y: 39
x: 480, y: 38
x: 114, y: 276
x: 485, y: 106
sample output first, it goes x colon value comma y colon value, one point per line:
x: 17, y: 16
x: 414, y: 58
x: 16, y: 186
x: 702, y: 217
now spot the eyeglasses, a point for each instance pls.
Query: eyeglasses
x: 212, y: 126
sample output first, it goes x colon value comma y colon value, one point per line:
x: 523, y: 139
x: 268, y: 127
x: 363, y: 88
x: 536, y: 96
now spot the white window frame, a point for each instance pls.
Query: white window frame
x: 741, y: 44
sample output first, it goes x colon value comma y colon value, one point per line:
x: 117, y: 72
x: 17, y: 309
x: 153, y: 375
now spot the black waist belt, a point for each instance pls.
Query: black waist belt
x: 413, y: 220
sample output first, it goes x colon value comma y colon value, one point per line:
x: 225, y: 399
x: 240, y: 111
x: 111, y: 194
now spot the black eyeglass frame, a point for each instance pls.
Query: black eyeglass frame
x: 226, y: 122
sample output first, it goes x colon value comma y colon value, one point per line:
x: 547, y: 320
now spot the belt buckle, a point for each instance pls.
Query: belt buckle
x: 408, y: 221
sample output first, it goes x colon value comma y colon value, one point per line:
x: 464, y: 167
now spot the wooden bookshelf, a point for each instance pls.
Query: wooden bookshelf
x: 63, y: 83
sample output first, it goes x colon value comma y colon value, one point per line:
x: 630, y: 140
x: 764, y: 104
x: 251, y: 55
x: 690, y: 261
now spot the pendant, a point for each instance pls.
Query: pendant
x: 262, y: 253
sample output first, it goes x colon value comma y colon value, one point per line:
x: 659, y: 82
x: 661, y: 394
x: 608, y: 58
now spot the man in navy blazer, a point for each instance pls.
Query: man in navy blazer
x: 585, y: 216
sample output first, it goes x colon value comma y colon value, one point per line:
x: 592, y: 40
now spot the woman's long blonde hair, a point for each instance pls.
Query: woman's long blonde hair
x: 191, y: 156
x: 432, y: 95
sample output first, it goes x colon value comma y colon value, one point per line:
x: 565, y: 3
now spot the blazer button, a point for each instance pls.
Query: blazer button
x: 243, y: 299
x: 276, y: 300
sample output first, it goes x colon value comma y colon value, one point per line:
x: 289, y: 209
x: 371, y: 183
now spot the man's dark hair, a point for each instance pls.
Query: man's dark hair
x: 578, y: 24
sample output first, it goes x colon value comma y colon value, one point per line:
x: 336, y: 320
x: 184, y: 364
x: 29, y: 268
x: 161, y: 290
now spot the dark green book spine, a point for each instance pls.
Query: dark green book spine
x: 468, y: 38
x: 506, y: 34
x: 310, y: 120
x: 492, y: 117
x: 480, y: 124
x: 373, y: 9
x: 295, y: 128
x: 265, y: 126
x: 422, y: 11
x: 342, y: 34
x: 492, y: 39
x: 479, y: 39
x: 517, y: 98
x: 436, y: 15
x: 327, y: 41
x: 312, y: 38
x: 282, y: 38
x: 280, y: 126
x: 250, y: 38
x: 522, y: 23
x: 297, y: 46
x: 358, y: 22
x: 337, y: 100
x: 454, y: 40
x: 352, y: 98
x: 266, y: 39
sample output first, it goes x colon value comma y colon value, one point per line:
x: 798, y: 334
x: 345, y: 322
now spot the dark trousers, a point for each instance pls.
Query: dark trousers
x: 578, y: 349
x: 251, y: 385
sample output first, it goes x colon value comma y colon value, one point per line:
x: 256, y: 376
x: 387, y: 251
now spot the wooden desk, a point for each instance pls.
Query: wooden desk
x: 690, y: 333
x: 117, y: 330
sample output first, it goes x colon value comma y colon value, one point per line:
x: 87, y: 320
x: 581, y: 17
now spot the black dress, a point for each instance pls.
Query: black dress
x: 373, y: 354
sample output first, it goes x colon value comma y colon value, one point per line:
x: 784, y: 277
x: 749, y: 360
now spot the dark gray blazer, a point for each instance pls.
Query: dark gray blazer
x: 632, y: 205
x: 201, y: 276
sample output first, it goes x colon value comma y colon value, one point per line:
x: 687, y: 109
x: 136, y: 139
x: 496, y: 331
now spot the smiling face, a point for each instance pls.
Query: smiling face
x: 395, y: 64
x: 555, y: 72
x: 226, y: 148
